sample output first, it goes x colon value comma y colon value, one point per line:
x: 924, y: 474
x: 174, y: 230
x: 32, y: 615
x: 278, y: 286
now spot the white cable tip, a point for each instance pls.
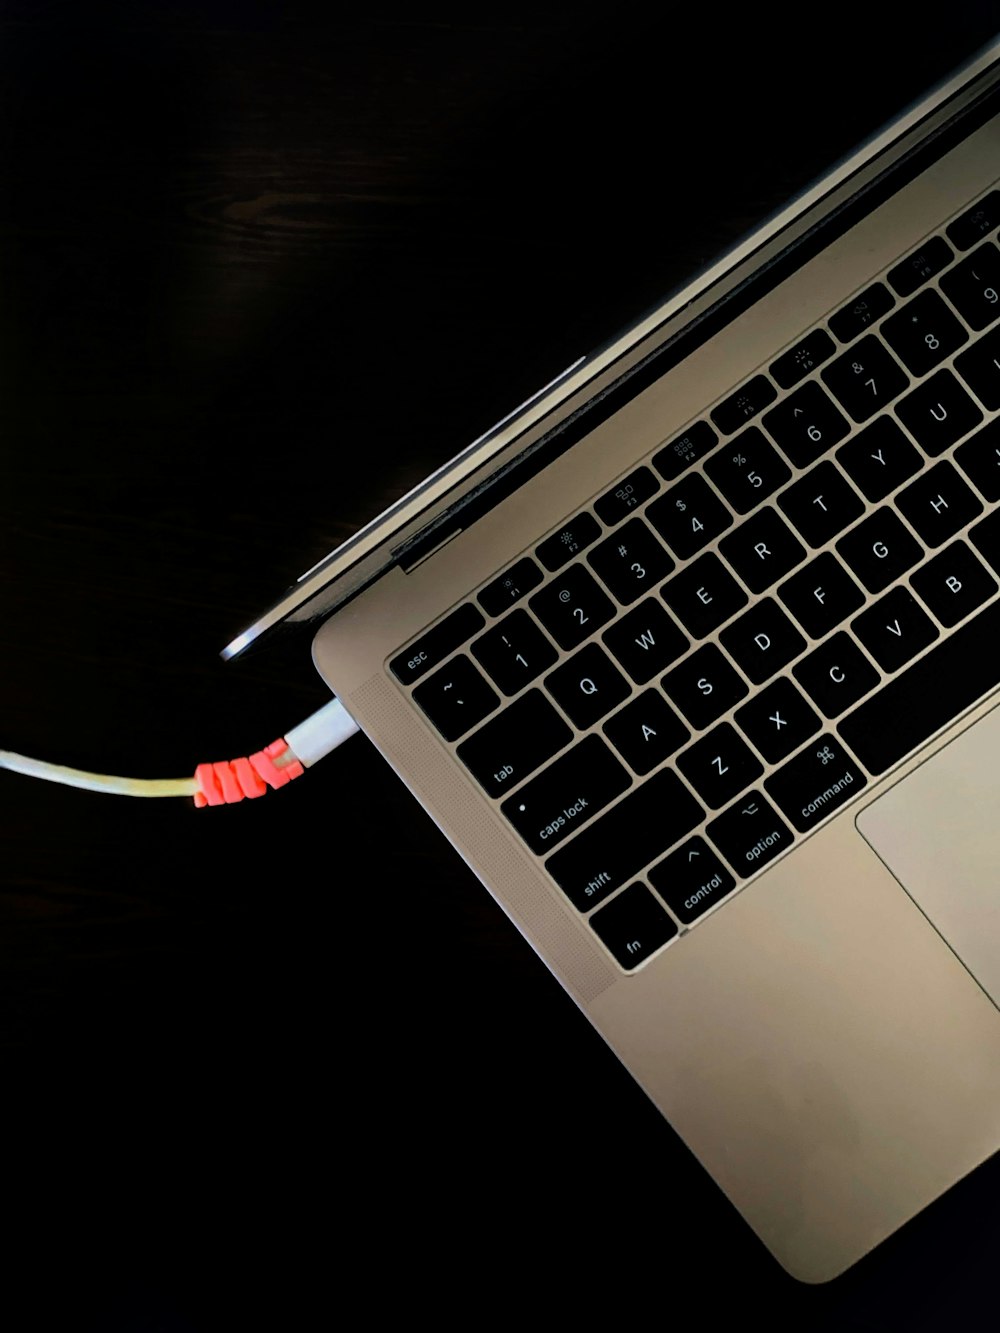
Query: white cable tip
x: 78, y: 777
x: 327, y: 728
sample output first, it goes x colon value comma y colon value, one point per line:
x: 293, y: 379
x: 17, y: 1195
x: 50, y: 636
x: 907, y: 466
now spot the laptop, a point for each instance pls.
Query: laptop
x: 693, y: 658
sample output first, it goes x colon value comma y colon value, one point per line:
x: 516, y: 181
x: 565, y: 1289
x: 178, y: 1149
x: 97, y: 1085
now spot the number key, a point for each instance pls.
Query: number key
x: 514, y: 651
x: 572, y: 607
x: 689, y: 516
x: 806, y: 424
x: 631, y: 561
x: 973, y: 287
x: 865, y: 379
x: 923, y: 333
x: 747, y: 470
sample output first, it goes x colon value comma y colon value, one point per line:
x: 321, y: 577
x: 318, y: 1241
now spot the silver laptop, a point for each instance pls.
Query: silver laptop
x: 694, y: 659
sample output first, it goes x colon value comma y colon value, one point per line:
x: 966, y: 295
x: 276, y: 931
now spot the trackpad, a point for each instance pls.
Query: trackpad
x: 938, y: 831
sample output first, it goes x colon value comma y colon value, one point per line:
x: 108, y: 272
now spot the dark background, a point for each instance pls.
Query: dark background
x: 258, y: 274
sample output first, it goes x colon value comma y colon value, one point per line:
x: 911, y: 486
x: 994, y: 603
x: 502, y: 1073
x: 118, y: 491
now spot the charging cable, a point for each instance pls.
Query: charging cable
x: 222, y: 783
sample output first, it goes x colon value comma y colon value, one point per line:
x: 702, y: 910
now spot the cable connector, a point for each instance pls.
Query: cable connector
x: 223, y: 783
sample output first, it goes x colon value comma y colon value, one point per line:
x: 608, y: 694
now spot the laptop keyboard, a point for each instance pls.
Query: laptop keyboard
x: 694, y: 672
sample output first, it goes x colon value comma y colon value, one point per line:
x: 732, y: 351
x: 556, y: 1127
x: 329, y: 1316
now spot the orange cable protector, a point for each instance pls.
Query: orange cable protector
x: 230, y: 781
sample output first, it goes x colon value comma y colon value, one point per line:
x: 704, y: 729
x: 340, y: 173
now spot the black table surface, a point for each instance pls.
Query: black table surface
x: 260, y: 273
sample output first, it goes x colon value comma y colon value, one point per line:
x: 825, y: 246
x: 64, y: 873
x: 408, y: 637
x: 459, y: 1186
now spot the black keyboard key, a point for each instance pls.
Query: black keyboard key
x: 514, y: 652
x: 697, y: 441
x: 980, y: 368
x: 633, y: 926
x: 938, y: 504
x: 865, y: 379
x: 918, y: 268
x: 879, y: 459
x: 750, y: 834
x: 975, y: 222
x: 821, y: 504
x: 510, y: 747
x: 923, y: 333
x: 646, y: 641
x: 860, y: 313
x: 719, y: 766
x: 747, y: 470
x: 778, y: 720
x: 762, y: 641
x: 821, y: 595
x: 986, y: 538
x: 565, y: 795
x: 938, y: 413
x: 628, y: 494
x: 572, y: 538
x: 691, y: 880
x: 762, y: 550
x: 954, y: 584
x: 895, y: 629
x: 434, y: 646
x: 808, y: 353
x: 979, y: 459
x: 509, y: 587
x: 631, y: 562
x: 736, y: 410
x: 704, y: 686
x: 973, y: 287
x: 879, y: 550
x: 806, y: 424
x: 646, y: 732
x: 816, y: 783
x: 572, y: 607
x: 689, y: 516
x: 587, y: 686
x: 928, y: 695
x: 456, y: 698
x: 639, y: 828
x: 703, y: 596
x: 836, y: 675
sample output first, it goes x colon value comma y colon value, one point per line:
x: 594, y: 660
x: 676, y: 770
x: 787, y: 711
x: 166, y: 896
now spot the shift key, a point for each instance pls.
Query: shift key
x: 638, y: 830
x: 568, y: 793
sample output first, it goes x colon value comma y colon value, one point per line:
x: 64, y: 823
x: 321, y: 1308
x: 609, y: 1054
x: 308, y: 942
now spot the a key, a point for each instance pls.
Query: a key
x: 938, y: 413
x: 821, y: 504
x: 879, y: 550
x: 762, y: 641
x: 979, y: 458
x: 646, y: 732
x: 573, y: 537
x: 938, y: 504
x: 510, y: 747
x: 434, y: 646
x: 626, y: 495
x: 861, y: 312
x: 719, y: 766
x: 691, y: 880
x: 973, y: 287
x: 836, y: 675
x: 980, y: 368
x: 736, y: 410
x: 633, y: 926
x: 703, y: 596
x: 954, y: 584
x: 641, y: 827
x: 911, y: 273
x: 821, y: 595
x: 631, y: 562
x: 865, y: 379
x: 806, y: 424
x: 689, y: 516
x: 514, y: 652
x: 923, y: 333
x: 816, y: 783
x: 747, y: 470
x: 879, y: 459
x: 645, y: 641
x: 778, y: 720
x: 976, y: 222
x: 568, y: 793
x: 697, y: 441
x: 808, y: 353
x: 986, y: 539
x: 456, y: 698
x: 572, y: 607
x: 895, y: 629
x: 587, y: 686
x: 750, y: 834
x: 762, y: 550
x: 704, y: 686
x: 509, y: 587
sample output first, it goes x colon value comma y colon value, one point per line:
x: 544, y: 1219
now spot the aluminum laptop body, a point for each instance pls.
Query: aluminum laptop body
x: 729, y: 593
